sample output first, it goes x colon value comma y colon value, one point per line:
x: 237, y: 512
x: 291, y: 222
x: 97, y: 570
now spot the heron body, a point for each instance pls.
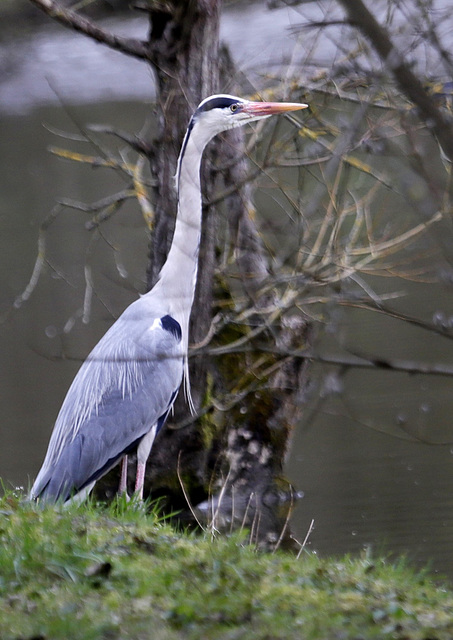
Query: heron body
x: 125, y: 389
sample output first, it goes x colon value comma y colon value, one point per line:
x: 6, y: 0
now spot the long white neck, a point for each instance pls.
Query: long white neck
x: 177, y: 278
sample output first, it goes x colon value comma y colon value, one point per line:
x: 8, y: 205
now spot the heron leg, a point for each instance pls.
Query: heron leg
x: 123, y: 478
x: 143, y: 451
x: 140, y: 479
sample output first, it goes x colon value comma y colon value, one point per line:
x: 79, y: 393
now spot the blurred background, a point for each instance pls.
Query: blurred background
x: 374, y: 452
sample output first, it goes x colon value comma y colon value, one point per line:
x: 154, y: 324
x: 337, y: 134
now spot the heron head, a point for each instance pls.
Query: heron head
x: 221, y: 112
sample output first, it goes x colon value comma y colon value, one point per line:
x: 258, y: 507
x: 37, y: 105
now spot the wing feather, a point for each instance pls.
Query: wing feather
x: 126, y: 384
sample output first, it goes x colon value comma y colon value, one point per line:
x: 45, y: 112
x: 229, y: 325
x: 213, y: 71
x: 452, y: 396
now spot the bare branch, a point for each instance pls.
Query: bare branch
x: 132, y: 140
x: 364, y: 362
x: 129, y: 46
x: 407, y: 81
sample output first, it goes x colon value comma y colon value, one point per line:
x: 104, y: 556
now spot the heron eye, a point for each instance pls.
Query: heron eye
x: 234, y: 107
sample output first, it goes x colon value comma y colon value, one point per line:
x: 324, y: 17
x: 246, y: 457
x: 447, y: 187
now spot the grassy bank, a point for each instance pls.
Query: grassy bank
x: 115, y: 573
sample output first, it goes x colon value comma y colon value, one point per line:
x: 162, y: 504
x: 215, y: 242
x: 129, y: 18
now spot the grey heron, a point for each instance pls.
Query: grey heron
x: 125, y: 389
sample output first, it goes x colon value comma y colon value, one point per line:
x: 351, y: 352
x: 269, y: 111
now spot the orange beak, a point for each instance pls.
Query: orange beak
x: 270, y: 108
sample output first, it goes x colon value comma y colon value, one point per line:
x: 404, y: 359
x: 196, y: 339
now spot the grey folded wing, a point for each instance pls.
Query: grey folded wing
x: 127, y: 384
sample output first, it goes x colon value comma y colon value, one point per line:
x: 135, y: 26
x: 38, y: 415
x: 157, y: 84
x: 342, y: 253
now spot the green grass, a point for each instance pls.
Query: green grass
x: 116, y: 573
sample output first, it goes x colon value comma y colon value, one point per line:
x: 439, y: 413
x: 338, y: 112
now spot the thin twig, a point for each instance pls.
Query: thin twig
x: 186, y: 495
x: 304, y: 543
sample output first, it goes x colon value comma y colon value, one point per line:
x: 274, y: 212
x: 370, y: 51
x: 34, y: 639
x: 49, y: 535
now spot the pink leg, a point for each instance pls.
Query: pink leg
x: 142, y: 456
x: 123, y: 479
x: 140, y: 479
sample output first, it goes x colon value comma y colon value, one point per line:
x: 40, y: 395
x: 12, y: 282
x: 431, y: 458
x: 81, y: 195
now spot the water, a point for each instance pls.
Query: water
x: 367, y: 479
x: 368, y: 490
